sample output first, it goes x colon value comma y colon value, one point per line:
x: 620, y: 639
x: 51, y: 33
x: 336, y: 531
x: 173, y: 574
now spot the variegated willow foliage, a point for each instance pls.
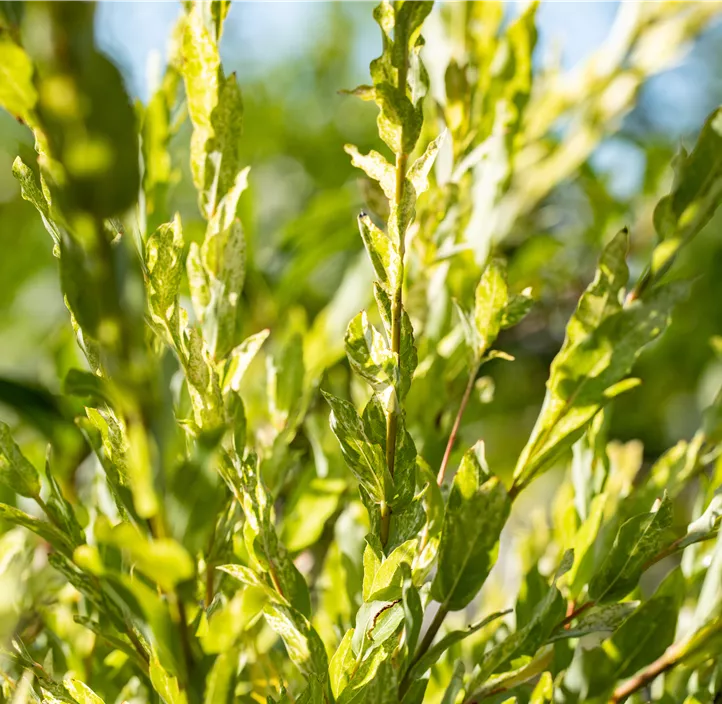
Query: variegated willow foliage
x: 206, y: 546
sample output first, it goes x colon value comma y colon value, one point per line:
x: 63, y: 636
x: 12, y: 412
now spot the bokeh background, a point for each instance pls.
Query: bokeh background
x: 292, y: 59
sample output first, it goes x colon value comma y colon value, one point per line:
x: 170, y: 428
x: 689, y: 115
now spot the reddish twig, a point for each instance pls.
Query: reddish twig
x: 457, y: 423
x: 671, y: 657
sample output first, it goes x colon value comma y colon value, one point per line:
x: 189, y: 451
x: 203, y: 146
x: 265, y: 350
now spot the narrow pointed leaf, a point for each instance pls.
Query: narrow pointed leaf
x: 476, y: 511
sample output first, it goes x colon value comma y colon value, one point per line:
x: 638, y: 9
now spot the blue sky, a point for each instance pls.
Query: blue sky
x: 261, y: 35
x: 268, y: 33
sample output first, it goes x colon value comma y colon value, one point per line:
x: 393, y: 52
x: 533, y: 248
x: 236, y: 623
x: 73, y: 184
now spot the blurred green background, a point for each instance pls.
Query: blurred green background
x: 300, y: 211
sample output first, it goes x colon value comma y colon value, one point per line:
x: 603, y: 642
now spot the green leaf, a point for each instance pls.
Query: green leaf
x: 434, y: 654
x: 544, y: 691
x: 240, y: 358
x: 203, y: 382
x: 365, y: 459
x: 708, y: 606
x: 383, y: 253
x: 164, y: 265
x: 31, y: 192
x: 304, y: 647
x: 315, y: 692
x: 341, y: 665
x: 86, y: 115
x: 399, y: 121
x: 696, y: 190
x: 17, y: 92
x: 476, y: 511
x: 408, y: 520
x: 639, y: 539
x: 645, y: 635
x: 59, y: 509
x: 362, y: 679
x: 602, y: 343
x: 198, y: 281
x: 408, y: 356
x: 223, y: 255
x: 81, y: 692
x: 491, y: 298
x: 376, y: 623
x: 648, y: 631
x: 163, y: 560
x: 376, y: 167
x: 599, y: 619
x: 455, y: 685
x: 404, y: 479
x: 418, y: 173
x: 267, y: 553
x: 90, y: 386
x: 369, y: 354
x: 584, y: 547
x: 216, y: 111
x: 527, y: 640
x: 416, y: 692
x: 517, y: 308
x: 287, y: 384
x: 220, y: 683
x: 386, y: 582
x: 704, y: 527
x: 413, y: 613
x: 115, y: 444
x: 307, y: 516
x: 43, y: 529
x: 166, y: 684
x: 15, y: 470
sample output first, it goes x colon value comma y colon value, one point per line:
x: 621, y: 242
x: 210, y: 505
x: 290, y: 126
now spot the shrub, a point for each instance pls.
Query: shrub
x: 201, y: 537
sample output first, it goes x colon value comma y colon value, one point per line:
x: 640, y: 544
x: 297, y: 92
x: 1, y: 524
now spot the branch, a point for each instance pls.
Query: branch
x: 671, y: 657
x: 457, y: 423
x: 397, y: 309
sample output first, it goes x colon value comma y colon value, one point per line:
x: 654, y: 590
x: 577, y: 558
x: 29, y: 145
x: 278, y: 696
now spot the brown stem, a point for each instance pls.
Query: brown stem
x: 210, y: 584
x: 457, y: 423
x: 673, y: 656
x: 669, y: 659
x: 576, y: 612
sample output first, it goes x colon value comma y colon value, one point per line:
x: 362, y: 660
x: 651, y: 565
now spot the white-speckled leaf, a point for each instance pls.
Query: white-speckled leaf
x: 365, y: 459
x: 376, y: 167
x: 369, y: 355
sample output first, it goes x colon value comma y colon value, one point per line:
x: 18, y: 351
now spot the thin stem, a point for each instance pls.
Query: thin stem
x: 210, y: 584
x: 457, y: 423
x: 425, y: 644
x: 669, y: 659
x: 576, y: 612
x: 397, y: 310
x: 673, y: 656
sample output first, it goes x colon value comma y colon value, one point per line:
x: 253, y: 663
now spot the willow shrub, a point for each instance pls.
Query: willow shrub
x: 200, y: 536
